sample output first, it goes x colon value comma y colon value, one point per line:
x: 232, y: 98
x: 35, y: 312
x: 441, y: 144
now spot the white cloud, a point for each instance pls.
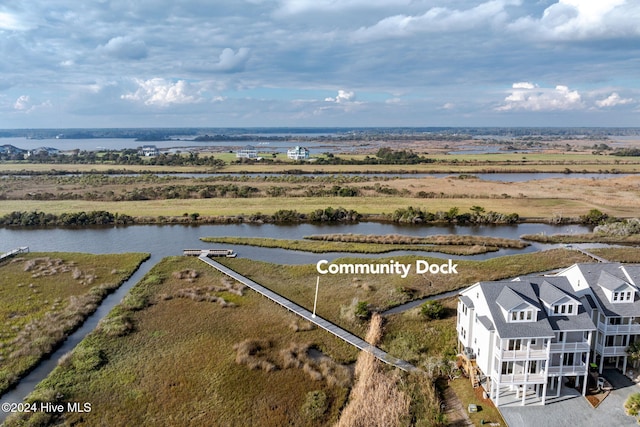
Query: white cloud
x: 436, y: 19
x: 290, y: 7
x: 233, y: 61
x: 529, y: 97
x: 613, y: 100
x: 25, y: 104
x: 125, y: 47
x: 11, y: 22
x: 582, y: 20
x: 22, y: 103
x: 162, y: 93
x: 342, y: 97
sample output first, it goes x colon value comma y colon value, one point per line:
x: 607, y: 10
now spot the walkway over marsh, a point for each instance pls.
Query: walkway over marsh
x: 307, y: 315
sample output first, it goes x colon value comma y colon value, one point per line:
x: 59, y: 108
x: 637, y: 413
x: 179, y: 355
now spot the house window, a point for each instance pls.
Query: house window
x: 567, y: 359
x: 515, y: 344
x: 533, y: 341
x: 570, y: 308
x: 615, y: 296
x: 556, y: 309
x: 522, y: 315
x: 514, y: 316
x: 533, y: 367
x: 507, y: 368
x: 529, y: 315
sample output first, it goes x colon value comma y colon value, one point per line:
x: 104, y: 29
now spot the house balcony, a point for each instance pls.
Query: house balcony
x: 536, y: 378
x: 564, y: 370
x: 632, y: 329
x: 611, y: 351
x: 524, y: 354
x: 570, y: 347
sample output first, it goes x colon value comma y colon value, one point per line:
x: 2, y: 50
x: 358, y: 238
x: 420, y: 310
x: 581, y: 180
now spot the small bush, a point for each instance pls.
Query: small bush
x: 87, y: 358
x: 315, y: 405
x: 432, y: 310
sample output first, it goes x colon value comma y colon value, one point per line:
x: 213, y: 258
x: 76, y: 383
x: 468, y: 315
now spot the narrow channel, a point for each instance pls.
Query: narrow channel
x: 44, y: 368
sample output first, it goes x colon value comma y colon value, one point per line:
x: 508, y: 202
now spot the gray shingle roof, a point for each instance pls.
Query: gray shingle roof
x: 551, y: 294
x: 466, y: 301
x: 611, y: 282
x: 592, y: 273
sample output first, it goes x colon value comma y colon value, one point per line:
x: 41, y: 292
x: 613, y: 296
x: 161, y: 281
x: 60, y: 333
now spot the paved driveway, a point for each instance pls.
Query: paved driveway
x: 577, y: 411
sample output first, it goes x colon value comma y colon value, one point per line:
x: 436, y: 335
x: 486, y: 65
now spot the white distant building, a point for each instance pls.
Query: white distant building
x: 522, y: 339
x: 248, y: 152
x: 298, y: 153
x: 148, y: 150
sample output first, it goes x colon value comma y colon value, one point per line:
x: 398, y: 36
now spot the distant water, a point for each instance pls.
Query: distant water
x: 97, y: 144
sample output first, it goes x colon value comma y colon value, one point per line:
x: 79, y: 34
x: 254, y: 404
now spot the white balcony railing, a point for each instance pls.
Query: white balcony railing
x: 611, y: 350
x: 570, y: 347
x: 633, y: 328
x: 524, y: 354
x: 523, y: 378
x: 579, y: 369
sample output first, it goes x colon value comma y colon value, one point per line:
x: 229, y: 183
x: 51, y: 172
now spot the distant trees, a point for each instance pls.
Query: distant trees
x: 477, y: 216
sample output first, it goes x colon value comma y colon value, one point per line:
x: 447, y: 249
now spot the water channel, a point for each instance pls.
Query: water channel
x: 169, y: 240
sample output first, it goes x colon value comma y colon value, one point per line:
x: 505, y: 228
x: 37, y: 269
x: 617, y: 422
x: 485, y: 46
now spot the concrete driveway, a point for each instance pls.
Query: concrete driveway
x: 577, y: 411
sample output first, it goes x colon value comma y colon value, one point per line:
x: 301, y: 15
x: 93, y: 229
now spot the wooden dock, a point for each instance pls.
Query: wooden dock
x: 307, y: 315
x: 228, y: 253
x: 20, y: 250
x: 589, y: 254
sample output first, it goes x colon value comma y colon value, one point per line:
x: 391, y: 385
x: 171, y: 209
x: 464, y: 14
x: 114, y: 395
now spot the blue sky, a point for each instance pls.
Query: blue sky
x: 226, y: 63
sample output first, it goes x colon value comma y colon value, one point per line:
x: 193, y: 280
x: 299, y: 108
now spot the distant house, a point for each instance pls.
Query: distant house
x: 42, y: 150
x: 10, y: 149
x: 248, y: 152
x: 149, y: 150
x: 298, y: 153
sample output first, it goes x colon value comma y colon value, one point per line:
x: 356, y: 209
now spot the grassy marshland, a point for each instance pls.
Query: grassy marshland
x: 45, y: 296
x: 453, y: 245
x: 189, y: 346
x: 169, y: 355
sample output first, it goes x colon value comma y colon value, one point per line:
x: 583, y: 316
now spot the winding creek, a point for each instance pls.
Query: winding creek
x: 169, y: 240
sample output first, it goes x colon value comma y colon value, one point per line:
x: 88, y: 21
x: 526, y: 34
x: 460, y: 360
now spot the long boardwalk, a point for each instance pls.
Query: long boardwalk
x: 589, y: 254
x: 306, y: 314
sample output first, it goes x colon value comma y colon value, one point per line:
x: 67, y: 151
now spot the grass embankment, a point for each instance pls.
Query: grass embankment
x: 582, y: 238
x: 174, y: 354
x: 453, y: 245
x: 45, y: 296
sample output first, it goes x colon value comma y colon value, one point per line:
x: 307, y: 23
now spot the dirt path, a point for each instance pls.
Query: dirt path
x: 456, y: 414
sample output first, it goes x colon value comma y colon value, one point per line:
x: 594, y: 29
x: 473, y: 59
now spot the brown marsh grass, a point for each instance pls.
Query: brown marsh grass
x: 45, y: 296
x: 178, y: 366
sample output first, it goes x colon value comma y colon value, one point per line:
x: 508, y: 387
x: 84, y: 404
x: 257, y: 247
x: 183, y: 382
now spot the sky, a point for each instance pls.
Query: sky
x: 299, y: 63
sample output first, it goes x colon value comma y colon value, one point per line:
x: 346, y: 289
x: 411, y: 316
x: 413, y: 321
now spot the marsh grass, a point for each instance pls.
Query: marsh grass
x: 321, y: 245
x: 178, y: 366
x: 336, y: 293
x: 44, y: 297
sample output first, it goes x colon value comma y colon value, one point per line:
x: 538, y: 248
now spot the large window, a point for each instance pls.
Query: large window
x: 522, y: 316
x: 515, y: 344
x: 507, y: 368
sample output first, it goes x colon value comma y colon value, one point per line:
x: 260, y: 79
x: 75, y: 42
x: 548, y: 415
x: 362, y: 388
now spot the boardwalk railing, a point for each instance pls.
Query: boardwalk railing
x: 13, y: 252
x: 589, y: 254
x: 306, y: 314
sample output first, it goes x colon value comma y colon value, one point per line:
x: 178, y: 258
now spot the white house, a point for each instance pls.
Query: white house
x: 298, y: 153
x: 148, y: 150
x: 248, y: 152
x: 522, y: 337
x: 611, y: 290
